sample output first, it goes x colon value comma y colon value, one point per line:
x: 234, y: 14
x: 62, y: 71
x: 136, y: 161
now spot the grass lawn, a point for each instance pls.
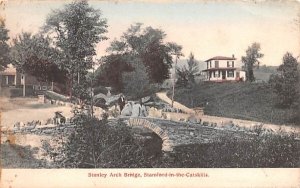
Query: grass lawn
x: 249, y: 101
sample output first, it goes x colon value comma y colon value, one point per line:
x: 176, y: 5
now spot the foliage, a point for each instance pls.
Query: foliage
x: 95, y: 144
x: 186, y: 75
x: 251, y: 58
x: 285, y: 83
x: 137, y: 83
x: 148, y: 45
x: 110, y: 72
x: 265, y: 151
x: 4, y: 48
x: 77, y: 29
x: 33, y: 54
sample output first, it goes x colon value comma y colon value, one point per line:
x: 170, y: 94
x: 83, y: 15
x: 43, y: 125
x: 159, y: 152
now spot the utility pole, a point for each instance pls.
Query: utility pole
x: 174, y: 77
x: 24, y: 85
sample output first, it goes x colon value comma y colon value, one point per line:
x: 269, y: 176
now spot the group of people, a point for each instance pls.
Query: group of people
x: 136, y: 109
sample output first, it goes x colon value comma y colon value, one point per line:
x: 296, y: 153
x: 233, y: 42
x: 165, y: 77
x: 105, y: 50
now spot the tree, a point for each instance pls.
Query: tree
x: 251, y: 58
x: 33, y: 54
x: 77, y: 29
x: 4, y: 48
x: 148, y: 45
x: 111, y: 71
x: 286, y: 83
x: 136, y: 83
x: 186, y: 74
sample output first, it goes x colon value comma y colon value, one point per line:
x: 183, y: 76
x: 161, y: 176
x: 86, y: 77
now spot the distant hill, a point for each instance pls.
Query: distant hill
x: 264, y: 72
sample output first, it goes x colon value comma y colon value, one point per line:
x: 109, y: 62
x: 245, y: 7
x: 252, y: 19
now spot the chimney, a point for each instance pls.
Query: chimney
x: 232, y: 55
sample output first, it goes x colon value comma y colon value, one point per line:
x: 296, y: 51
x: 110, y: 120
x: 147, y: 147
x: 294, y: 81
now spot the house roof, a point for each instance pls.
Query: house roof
x: 221, y: 58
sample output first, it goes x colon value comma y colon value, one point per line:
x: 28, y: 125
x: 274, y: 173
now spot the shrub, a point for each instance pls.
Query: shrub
x: 95, y: 144
x: 266, y: 151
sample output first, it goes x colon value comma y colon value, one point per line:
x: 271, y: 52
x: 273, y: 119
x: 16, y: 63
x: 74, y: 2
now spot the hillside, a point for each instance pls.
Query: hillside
x: 250, y: 101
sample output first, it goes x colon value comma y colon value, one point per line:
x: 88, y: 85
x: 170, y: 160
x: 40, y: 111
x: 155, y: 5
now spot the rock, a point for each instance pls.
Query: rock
x: 192, y: 119
x: 205, y: 123
x: 153, y: 112
x: 146, y: 99
x: 138, y: 111
x: 127, y: 110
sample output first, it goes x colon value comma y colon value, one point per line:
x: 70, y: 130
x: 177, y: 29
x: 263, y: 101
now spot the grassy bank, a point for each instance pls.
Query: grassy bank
x: 250, y: 101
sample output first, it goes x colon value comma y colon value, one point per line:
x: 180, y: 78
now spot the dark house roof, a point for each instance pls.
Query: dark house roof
x: 221, y: 58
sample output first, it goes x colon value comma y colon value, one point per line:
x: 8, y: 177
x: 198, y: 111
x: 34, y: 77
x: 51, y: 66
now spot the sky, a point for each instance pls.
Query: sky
x: 206, y: 28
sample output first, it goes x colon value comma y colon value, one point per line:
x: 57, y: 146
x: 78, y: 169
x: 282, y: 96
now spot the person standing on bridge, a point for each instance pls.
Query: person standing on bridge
x: 121, y: 102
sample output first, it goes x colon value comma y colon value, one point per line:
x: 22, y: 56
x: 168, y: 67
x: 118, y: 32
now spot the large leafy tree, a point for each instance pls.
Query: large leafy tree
x: 136, y: 83
x: 77, y: 29
x: 251, y: 59
x: 286, y: 82
x: 110, y: 72
x: 147, y: 44
x: 32, y: 54
x: 4, y: 48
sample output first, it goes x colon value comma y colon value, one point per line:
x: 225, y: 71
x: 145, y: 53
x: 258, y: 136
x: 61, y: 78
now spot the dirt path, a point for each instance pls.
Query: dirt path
x: 163, y: 96
x: 26, y: 110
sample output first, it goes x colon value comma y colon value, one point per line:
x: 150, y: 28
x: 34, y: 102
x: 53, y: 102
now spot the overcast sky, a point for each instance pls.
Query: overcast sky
x: 203, y: 27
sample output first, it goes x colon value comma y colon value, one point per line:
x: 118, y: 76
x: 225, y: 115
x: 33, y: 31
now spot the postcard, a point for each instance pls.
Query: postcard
x: 151, y: 93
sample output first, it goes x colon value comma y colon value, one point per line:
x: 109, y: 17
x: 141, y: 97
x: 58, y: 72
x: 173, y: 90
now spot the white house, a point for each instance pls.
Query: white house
x: 220, y: 69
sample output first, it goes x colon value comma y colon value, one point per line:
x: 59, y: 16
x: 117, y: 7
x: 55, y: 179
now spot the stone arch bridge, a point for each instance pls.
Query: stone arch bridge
x: 181, y: 133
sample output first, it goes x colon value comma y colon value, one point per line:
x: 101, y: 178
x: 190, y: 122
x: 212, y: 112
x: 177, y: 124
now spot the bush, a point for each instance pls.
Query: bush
x: 266, y: 151
x: 95, y: 144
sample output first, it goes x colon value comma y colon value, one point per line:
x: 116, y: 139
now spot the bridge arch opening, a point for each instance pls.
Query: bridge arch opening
x: 167, y: 143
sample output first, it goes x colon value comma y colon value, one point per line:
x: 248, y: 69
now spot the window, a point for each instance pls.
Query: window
x: 230, y: 73
x: 228, y: 64
x: 210, y: 64
x: 216, y: 64
x: 217, y: 74
x: 232, y: 63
